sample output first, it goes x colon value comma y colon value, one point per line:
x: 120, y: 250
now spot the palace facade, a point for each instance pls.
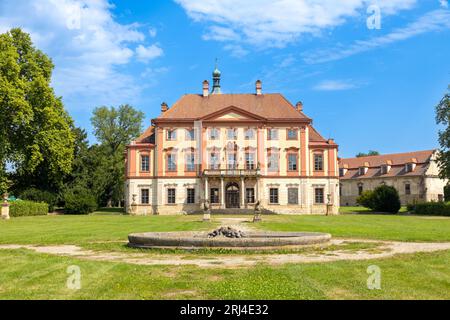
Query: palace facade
x: 233, y: 150
x: 415, y: 175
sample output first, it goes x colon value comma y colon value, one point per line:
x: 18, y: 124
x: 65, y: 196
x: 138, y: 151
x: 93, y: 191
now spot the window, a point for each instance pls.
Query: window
x: 145, y: 198
x: 272, y: 134
x: 214, y: 161
x: 232, y: 134
x: 171, y: 162
x: 232, y: 162
x: 409, y: 167
x: 292, y: 134
x: 292, y: 195
x: 272, y: 163
x: 171, y: 135
x: 214, y: 195
x: 190, y: 196
x: 360, y: 189
x: 190, y: 134
x: 292, y: 162
x: 250, y: 195
x: 407, y: 189
x: 171, y: 196
x: 273, y: 195
x: 383, y: 169
x: 318, y: 162
x: 145, y: 163
x: 319, y: 196
x: 249, y: 161
x: 190, y: 161
x: 341, y: 172
x: 362, y: 171
x: 249, y: 134
x: 214, y: 134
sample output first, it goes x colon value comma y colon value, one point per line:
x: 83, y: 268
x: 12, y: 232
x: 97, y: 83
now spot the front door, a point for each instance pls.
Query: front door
x: 232, y: 196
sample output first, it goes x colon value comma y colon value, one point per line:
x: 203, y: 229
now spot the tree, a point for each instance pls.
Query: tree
x: 381, y: 199
x: 35, y: 130
x: 368, y: 154
x: 443, y: 118
x: 114, y: 129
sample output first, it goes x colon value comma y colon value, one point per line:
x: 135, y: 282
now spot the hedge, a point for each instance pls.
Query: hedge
x: 433, y: 208
x: 37, y: 195
x: 23, y: 208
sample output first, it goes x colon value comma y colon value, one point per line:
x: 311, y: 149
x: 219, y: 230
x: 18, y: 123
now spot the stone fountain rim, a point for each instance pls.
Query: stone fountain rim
x: 199, y: 239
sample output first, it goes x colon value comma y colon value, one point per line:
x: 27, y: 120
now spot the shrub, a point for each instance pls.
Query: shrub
x: 37, y: 195
x: 382, y: 199
x: 365, y: 199
x: 386, y: 199
x: 79, y: 201
x: 447, y: 193
x: 433, y: 208
x: 23, y: 208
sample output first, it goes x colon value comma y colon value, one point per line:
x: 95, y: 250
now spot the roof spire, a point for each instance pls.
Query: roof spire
x: 216, y: 80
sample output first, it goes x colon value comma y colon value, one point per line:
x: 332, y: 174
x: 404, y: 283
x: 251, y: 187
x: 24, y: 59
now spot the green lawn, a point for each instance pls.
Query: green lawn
x: 114, y: 227
x: 369, y: 226
x: 26, y: 275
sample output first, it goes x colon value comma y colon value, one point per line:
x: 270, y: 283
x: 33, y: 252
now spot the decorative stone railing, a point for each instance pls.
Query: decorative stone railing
x: 231, y: 172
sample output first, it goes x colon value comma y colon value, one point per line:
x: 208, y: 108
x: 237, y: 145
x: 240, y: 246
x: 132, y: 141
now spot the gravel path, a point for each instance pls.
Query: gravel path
x: 386, y: 249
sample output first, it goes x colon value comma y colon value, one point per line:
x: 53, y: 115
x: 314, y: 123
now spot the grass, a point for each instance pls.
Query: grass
x: 369, y: 226
x: 27, y: 275
x: 92, y: 228
x: 357, y: 209
x: 83, y: 230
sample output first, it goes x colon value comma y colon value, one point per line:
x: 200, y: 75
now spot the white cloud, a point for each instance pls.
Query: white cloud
x: 335, y: 85
x: 87, y: 45
x: 444, y: 3
x: 146, y: 54
x: 432, y: 21
x: 152, y: 32
x: 236, y: 50
x: 268, y: 23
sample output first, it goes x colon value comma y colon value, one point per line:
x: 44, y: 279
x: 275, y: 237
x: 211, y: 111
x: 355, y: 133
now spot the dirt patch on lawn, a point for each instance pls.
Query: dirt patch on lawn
x: 385, y: 249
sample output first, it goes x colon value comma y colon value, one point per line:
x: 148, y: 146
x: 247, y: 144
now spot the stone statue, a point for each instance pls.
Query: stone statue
x: 206, y: 211
x: 133, y: 205
x: 5, y: 207
x: 257, y: 216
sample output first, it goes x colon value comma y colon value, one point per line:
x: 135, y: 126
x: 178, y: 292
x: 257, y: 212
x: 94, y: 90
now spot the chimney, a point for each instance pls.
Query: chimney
x: 205, y: 88
x: 164, y: 107
x: 299, y: 106
x: 258, y: 87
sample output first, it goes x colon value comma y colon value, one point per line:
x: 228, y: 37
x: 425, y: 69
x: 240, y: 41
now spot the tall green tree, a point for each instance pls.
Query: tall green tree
x: 35, y: 130
x: 443, y: 118
x: 368, y: 154
x: 114, y: 128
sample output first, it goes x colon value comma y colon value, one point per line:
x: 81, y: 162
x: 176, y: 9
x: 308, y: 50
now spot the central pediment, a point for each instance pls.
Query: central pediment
x: 232, y: 113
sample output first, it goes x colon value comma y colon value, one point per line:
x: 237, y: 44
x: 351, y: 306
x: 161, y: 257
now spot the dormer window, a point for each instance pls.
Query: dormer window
x: 341, y: 172
x: 362, y: 171
x: 409, y: 167
x: 384, y: 169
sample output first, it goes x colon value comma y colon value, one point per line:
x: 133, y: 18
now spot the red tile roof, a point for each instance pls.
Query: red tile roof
x: 397, y: 162
x: 269, y: 106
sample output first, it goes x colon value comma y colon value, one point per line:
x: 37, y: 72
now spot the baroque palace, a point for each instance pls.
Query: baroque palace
x: 232, y: 150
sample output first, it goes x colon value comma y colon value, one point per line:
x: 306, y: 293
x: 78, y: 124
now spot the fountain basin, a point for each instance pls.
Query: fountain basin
x: 252, y: 240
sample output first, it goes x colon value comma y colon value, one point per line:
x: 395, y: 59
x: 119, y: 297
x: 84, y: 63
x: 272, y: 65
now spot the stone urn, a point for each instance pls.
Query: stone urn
x: 5, y: 207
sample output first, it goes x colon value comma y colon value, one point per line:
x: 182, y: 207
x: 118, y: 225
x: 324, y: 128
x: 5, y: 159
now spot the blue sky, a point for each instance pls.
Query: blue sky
x: 369, y: 88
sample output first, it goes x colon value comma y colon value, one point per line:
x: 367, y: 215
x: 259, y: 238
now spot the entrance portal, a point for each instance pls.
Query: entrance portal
x: 232, y: 196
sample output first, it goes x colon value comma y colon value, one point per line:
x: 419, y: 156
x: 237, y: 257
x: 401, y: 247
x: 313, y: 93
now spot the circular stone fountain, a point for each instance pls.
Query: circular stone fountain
x: 227, y: 237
